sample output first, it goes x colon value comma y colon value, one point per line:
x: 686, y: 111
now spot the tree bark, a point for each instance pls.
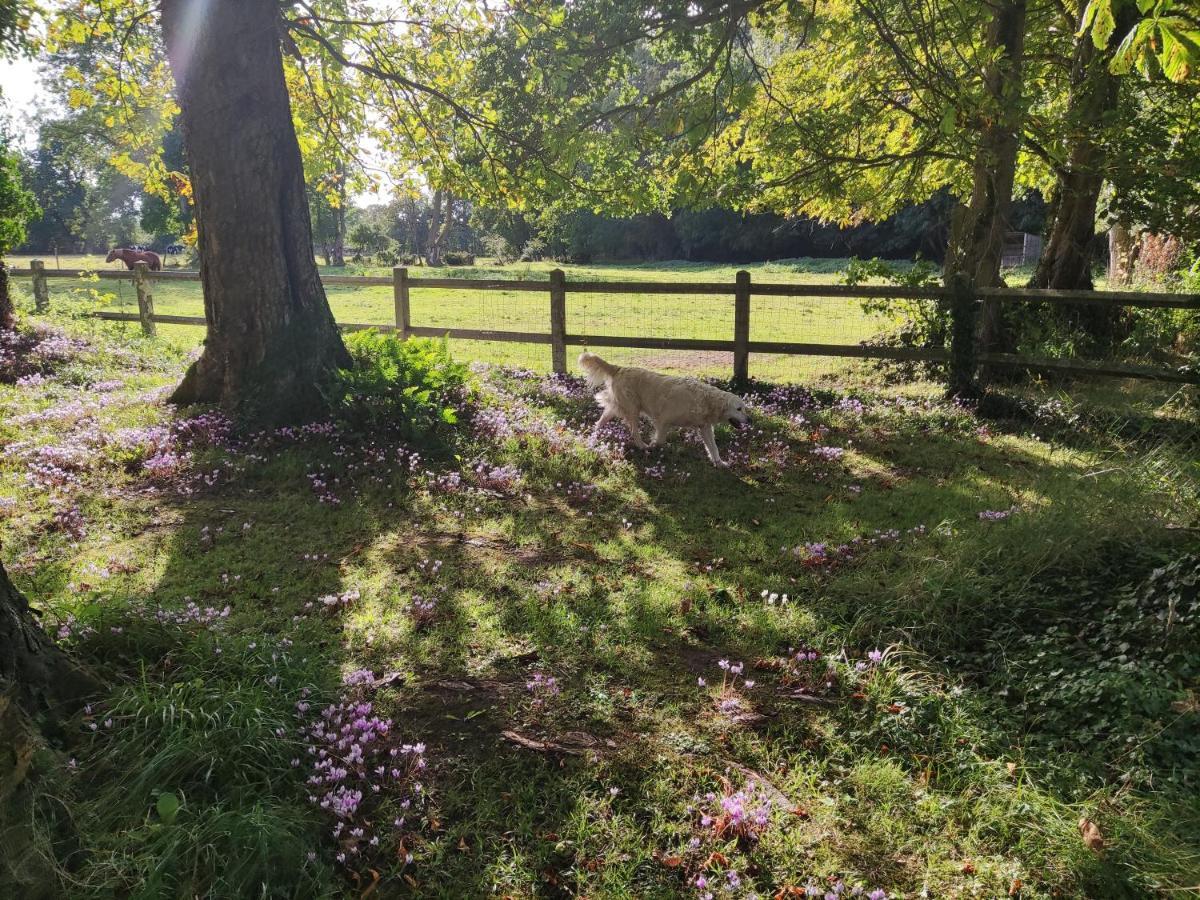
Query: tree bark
x: 8, y: 317
x: 33, y: 669
x: 339, y: 220
x: 441, y: 220
x: 1123, y: 248
x: 977, y: 233
x: 271, y: 339
x: 433, y: 245
x: 37, y: 679
x: 1066, y: 262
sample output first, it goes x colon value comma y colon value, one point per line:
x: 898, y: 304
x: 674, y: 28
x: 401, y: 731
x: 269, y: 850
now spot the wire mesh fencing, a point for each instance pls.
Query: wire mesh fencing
x: 773, y: 332
x: 648, y: 318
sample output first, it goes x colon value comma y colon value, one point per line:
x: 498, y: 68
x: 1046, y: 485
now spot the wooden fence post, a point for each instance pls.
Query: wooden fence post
x: 41, y: 293
x: 400, y: 296
x: 145, y: 299
x: 741, y: 330
x: 558, y: 321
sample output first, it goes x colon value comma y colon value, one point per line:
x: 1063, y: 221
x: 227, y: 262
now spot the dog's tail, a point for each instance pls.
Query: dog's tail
x: 598, y: 371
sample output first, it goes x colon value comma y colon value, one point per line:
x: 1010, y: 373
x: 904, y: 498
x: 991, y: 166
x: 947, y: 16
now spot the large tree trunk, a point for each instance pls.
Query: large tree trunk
x: 978, y: 229
x: 1067, y: 259
x: 271, y: 340
x: 1123, y: 247
x: 441, y: 220
x: 37, y: 679
x: 8, y: 317
x: 1066, y: 262
x: 32, y: 668
x: 339, y: 220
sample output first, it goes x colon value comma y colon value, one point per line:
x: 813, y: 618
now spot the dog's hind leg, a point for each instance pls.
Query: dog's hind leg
x: 634, y: 423
x: 710, y: 444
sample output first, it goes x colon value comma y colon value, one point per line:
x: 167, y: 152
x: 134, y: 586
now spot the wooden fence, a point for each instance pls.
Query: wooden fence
x: 559, y: 337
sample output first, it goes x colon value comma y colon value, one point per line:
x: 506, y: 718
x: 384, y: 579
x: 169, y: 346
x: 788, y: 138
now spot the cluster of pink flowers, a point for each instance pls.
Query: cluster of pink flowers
x: 839, y: 890
x: 445, y: 483
x: 729, y: 700
x: 423, y: 611
x: 27, y: 354
x: 566, y: 387
x: 70, y: 629
x: 996, y: 515
x: 501, y: 479
x: 578, y: 491
x: 323, y: 484
x: 744, y: 813
x: 338, y: 601
x: 828, y: 454
x: 210, y: 429
x: 69, y: 520
x: 362, y: 775
x: 193, y: 614
x: 820, y: 555
x: 808, y: 671
x: 874, y: 658
x: 543, y: 687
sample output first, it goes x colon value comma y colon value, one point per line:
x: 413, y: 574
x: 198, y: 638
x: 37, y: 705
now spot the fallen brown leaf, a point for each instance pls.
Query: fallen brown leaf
x: 1091, y: 834
x: 370, y: 888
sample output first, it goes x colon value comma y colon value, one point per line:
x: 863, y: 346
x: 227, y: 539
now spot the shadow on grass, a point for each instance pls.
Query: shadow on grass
x: 627, y: 599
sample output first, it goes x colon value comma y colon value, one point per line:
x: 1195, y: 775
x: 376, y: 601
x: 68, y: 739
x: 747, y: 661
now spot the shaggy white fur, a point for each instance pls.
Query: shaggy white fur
x: 670, y: 402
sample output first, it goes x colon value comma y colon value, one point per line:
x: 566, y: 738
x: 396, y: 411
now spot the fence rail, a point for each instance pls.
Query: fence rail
x: 559, y: 337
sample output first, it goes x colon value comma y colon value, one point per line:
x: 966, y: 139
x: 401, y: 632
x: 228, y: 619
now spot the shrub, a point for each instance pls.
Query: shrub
x: 497, y: 247
x: 410, y: 385
x: 926, y: 323
x: 534, y: 250
x: 459, y: 258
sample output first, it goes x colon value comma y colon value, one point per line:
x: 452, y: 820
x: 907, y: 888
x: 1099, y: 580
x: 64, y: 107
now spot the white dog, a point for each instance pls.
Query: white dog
x: 628, y: 393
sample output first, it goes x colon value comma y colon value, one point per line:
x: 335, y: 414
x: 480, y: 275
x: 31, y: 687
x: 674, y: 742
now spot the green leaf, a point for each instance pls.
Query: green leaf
x: 167, y: 807
x: 1099, y: 18
x: 948, y: 121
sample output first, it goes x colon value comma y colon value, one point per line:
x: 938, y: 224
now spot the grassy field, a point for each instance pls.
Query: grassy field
x: 833, y: 321
x: 900, y: 644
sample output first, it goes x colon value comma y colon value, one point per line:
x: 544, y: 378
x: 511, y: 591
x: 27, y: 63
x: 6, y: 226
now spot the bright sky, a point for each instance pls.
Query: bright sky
x: 20, y: 92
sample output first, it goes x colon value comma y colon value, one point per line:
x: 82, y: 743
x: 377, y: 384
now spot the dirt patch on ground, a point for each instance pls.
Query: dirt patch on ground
x: 691, y: 361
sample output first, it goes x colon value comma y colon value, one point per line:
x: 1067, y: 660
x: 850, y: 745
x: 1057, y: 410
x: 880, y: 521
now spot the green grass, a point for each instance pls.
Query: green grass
x: 1029, y: 680
x: 809, y: 320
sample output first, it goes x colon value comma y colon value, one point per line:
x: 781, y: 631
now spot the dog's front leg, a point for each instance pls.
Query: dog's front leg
x: 710, y: 444
x: 662, y: 431
x: 634, y: 422
x: 605, y: 418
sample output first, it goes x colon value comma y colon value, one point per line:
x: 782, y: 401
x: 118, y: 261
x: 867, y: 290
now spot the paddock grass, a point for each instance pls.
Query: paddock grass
x: 810, y: 320
x: 1027, y: 678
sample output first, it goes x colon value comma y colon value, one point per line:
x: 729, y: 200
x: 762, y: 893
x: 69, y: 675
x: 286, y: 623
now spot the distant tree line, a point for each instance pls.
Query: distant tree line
x: 88, y: 206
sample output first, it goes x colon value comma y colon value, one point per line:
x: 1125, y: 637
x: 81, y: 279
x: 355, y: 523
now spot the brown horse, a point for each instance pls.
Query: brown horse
x: 129, y: 257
